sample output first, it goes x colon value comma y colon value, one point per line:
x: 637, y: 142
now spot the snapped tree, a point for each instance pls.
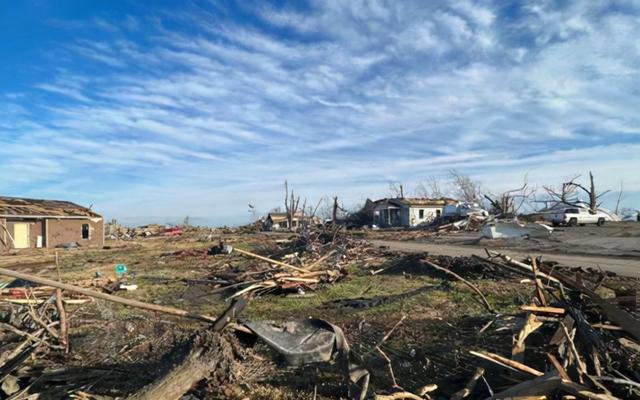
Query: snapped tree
x: 569, y: 193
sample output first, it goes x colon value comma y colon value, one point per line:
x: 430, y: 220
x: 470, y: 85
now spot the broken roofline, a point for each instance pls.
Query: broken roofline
x: 19, y: 216
x: 20, y: 207
x: 417, y: 202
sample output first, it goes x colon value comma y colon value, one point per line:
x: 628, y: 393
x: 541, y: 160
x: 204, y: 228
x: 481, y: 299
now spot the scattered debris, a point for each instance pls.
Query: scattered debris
x: 509, y: 230
x: 559, y: 331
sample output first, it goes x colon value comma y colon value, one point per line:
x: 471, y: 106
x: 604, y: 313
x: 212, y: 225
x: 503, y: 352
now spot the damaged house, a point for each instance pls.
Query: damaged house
x: 408, y: 212
x: 276, y: 221
x: 30, y: 223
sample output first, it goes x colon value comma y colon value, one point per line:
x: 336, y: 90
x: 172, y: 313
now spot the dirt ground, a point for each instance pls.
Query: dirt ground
x: 116, y: 350
x: 616, y: 239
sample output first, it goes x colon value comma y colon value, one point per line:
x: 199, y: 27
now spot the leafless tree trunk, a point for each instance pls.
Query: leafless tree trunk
x: 569, y: 189
x: 593, y: 199
x: 291, y: 204
x: 619, y: 196
x: 591, y: 192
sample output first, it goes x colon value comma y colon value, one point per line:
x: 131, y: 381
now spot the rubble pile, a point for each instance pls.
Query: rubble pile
x: 319, y: 259
x: 115, y: 231
x: 569, y: 340
x: 27, y: 333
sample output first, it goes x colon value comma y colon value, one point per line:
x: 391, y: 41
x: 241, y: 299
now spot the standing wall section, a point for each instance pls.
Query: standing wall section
x: 70, y: 230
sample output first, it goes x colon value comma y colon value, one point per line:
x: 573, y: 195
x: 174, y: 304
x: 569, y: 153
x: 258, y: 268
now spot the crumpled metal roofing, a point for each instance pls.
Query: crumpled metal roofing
x: 16, y: 206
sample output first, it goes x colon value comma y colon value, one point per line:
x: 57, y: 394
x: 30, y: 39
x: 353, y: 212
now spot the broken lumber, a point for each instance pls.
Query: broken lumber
x: 62, y: 316
x: 507, y: 363
x: 461, y: 279
x: 537, y: 388
x: 511, y: 261
x: 108, y: 297
x: 558, y: 367
x: 630, y: 344
x: 319, y: 261
x: 584, y: 392
x: 530, y: 325
x: 229, y: 249
x: 398, y: 396
x: 614, y: 314
x: 547, y: 310
x: 539, y: 292
x: 468, y: 389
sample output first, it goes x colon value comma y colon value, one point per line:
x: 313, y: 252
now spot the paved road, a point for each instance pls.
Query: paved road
x: 621, y: 266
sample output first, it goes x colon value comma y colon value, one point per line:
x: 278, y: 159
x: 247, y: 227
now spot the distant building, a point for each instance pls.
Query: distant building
x: 408, y: 212
x: 29, y: 223
x: 276, y: 221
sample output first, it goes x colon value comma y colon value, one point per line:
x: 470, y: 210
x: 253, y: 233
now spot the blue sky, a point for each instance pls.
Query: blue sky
x: 161, y: 109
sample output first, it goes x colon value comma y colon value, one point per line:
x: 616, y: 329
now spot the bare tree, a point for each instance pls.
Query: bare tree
x: 465, y: 189
x: 314, y: 210
x: 620, y: 193
x: 569, y: 193
x: 396, y: 189
x: 591, y: 192
x: 430, y: 189
x: 336, y: 208
x: 509, y: 203
x: 291, y: 203
x: 565, y: 193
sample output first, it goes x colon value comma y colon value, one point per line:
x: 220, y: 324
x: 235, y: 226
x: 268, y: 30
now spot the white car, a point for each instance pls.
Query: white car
x: 577, y: 216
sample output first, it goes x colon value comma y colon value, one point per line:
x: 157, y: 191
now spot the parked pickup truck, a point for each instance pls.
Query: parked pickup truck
x: 577, y: 216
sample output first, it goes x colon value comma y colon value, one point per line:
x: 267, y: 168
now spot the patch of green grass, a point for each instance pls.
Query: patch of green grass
x: 366, y: 286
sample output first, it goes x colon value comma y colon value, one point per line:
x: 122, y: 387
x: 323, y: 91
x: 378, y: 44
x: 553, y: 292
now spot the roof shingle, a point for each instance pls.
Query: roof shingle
x: 15, y: 206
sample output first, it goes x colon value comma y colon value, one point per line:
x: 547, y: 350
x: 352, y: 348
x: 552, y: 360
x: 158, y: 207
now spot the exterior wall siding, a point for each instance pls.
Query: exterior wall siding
x: 70, y: 230
x: 430, y: 213
x: 59, y: 231
x: 406, y: 214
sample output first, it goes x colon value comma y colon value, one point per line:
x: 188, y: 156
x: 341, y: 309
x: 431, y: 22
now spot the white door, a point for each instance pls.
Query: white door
x: 21, y: 235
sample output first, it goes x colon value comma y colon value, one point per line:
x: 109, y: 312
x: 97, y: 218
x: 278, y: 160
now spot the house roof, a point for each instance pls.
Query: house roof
x: 21, y: 207
x: 280, y: 216
x: 277, y: 217
x: 417, y: 202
